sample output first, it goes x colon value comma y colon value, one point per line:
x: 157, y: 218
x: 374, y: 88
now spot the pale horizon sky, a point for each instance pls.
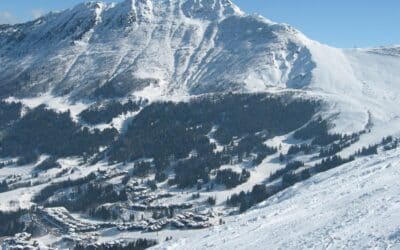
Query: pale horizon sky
x: 340, y: 23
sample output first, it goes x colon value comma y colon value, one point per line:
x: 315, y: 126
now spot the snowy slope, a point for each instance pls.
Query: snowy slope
x: 172, y: 47
x: 355, y: 206
x: 361, y: 86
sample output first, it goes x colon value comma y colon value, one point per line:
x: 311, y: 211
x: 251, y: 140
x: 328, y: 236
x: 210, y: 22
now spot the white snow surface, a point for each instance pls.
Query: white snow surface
x: 355, y: 206
x: 172, y: 49
x: 61, y: 104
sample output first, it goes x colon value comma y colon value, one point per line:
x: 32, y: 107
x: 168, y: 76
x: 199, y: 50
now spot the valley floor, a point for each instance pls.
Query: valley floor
x: 354, y: 206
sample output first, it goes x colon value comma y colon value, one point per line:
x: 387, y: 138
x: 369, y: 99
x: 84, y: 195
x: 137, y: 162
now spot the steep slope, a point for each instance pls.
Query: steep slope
x: 354, y: 206
x: 148, y: 123
x: 171, y: 46
x: 362, y: 86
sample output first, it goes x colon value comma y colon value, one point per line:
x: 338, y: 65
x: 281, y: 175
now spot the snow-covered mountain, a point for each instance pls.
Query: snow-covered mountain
x: 170, y: 46
x: 175, y: 48
x: 254, y: 104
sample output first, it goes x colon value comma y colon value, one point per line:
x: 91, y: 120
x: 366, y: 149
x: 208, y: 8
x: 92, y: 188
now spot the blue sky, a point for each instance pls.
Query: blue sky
x: 341, y: 23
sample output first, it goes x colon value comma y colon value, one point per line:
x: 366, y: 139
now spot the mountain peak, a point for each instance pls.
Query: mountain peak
x: 209, y: 8
x: 200, y: 9
x: 166, y: 47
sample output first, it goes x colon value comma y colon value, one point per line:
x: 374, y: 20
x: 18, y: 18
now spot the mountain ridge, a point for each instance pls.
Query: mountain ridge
x: 195, y: 39
x: 152, y: 118
x: 174, y: 49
